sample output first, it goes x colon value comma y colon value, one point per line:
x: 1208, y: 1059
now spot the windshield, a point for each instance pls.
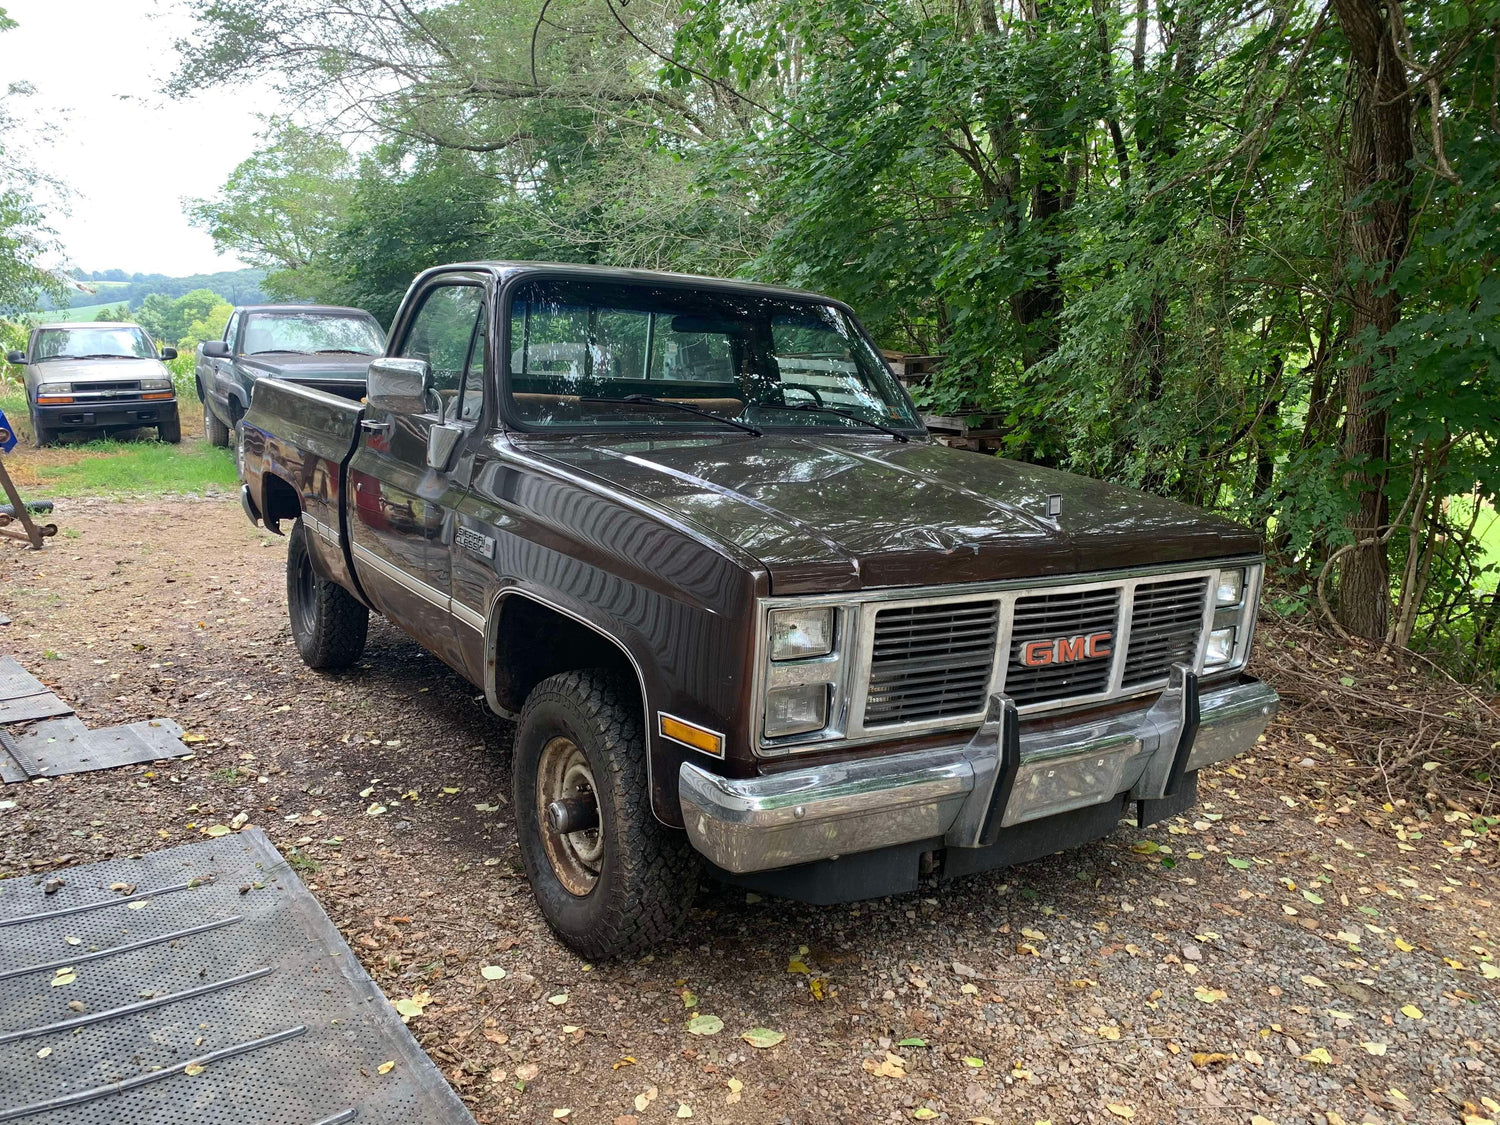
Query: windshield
x: 309, y: 333
x: 105, y: 342
x: 763, y: 361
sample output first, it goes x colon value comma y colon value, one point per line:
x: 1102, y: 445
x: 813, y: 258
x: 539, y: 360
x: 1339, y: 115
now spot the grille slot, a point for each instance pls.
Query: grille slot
x: 1045, y: 617
x: 1166, y: 619
x: 931, y: 661
x: 91, y: 388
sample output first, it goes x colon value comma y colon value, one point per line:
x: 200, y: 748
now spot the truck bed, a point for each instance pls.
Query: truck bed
x: 294, y: 433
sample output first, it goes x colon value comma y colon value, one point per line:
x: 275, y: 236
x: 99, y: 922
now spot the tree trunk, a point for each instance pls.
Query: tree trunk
x: 1377, y: 207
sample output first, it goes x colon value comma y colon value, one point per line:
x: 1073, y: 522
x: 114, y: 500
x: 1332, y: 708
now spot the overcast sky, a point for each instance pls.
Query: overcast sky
x: 129, y: 153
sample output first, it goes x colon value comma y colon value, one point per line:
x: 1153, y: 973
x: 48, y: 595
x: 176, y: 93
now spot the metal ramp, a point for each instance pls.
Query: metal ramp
x: 179, y: 997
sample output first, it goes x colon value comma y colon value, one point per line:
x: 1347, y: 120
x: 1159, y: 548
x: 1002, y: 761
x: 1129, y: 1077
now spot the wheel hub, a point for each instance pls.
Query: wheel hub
x: 565, y: 780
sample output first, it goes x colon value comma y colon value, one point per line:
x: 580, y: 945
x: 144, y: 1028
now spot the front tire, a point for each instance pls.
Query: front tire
x: 170, y: 432
x: 213, y: 429
x: 328, y: 625
x: 629, y: 883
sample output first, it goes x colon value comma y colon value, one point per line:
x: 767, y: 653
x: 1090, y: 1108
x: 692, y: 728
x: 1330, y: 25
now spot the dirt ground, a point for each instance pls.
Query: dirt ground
x: 1291, y: 951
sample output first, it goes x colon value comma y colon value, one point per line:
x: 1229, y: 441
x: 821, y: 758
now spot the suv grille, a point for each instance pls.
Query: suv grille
x: 1165, y: 621
x: 1047, y: 616
x: 130, y: 386
x: 930, y: 661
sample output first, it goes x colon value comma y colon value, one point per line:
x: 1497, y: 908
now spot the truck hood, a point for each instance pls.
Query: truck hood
x: 827, y: 513
x: 322, y: 368
x: 94, y: 370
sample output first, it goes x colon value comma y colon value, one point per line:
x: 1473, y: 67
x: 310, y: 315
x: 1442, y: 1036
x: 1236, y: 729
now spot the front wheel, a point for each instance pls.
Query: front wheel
x: 170, y: 432
x: 328, y: 625
x: 609, y: 877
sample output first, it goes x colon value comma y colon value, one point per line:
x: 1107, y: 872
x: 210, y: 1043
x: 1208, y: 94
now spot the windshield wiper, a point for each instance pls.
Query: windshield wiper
x: 277, y: 351
x: 340, y: 351
x: 102, y: 355
x: 647, y: 400
x: 809, y: 408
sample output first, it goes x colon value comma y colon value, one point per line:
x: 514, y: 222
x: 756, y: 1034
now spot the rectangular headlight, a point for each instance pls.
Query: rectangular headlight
x: 157, y: 384
x: 796, y: 633
x: 797, y: 709
x: 1220, y: 647
x: 54, y: 389
x: 1231, y: 587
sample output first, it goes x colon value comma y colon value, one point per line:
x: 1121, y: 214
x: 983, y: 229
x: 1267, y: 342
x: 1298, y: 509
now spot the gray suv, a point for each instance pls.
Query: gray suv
x: 97, y: 376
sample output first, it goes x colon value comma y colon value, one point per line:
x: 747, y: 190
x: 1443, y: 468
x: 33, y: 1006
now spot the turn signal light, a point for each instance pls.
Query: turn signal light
x: 699, y: 738
x: 158, y: 394
x: 53, y: 400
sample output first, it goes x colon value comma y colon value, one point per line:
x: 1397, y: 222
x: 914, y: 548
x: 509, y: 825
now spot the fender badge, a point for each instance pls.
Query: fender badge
x: 469, y: 540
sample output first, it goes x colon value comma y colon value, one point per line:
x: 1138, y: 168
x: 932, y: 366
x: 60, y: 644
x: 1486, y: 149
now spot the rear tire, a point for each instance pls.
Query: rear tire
x: 628, y: 884
x: 328, y: 625
x: 213, y: 429
x: 170, y: 432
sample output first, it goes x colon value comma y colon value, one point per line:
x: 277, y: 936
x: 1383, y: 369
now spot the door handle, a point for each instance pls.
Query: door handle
x: 374, y: 427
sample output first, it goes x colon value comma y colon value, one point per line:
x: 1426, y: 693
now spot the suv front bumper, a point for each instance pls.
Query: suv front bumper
x: 99, y: 414
x: 967, y: 794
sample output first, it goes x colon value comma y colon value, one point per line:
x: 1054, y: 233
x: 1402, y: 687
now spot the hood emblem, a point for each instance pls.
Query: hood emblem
x: 1067, y: 650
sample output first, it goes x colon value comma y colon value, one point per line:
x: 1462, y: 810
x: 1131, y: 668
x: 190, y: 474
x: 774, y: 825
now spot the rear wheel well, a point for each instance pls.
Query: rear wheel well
x: 278, y: 501
x: 534, y: 641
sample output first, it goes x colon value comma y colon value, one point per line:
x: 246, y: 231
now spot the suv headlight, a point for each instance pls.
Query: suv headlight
x: 156, y: 384
x: 54, y: 389
x: 797, y: 633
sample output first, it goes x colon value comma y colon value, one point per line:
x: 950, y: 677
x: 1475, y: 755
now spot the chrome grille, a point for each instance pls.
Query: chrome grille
x: 931, y: 661
x: 1045, y: 617
x: 1166, y: 619
x: 122, y: 386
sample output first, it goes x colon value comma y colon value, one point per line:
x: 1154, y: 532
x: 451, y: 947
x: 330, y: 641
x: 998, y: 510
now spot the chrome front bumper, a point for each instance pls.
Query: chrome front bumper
x: 968, y: 794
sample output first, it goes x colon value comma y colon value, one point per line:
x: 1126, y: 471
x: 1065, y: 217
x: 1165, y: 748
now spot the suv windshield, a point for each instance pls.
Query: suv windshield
x: 105, y: 342
x: 760, y: 360
x: 310, y: 333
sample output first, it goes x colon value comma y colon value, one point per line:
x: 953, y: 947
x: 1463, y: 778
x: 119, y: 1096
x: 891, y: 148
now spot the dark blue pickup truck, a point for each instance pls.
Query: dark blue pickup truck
x: 324, y: 347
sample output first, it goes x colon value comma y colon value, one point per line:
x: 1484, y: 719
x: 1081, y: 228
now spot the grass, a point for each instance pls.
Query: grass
x: 127, y: 466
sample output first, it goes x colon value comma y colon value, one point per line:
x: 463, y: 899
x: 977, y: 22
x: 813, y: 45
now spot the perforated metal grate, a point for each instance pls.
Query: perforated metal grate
x: 259, y: 984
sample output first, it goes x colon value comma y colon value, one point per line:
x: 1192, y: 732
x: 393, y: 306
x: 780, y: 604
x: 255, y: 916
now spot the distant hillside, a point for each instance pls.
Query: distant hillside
x: 116, y: 287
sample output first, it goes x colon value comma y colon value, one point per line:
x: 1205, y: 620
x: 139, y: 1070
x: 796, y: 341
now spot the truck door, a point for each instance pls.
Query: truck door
x: 397, y: 506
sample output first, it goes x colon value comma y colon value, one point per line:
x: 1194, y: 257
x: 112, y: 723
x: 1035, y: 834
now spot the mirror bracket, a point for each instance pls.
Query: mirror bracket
x: 442, y: 440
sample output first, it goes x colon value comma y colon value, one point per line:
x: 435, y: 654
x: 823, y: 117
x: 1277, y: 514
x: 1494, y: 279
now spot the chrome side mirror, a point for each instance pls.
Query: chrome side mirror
x: 400, y: 386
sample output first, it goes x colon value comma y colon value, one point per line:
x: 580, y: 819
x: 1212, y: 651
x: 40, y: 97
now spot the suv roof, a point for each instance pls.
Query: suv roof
x: 509, y: 269
x: 340, y: 310
x: 89, y: 324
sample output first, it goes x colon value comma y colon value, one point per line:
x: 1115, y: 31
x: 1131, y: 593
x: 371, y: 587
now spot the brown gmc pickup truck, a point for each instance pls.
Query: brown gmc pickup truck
x: 752, y: 622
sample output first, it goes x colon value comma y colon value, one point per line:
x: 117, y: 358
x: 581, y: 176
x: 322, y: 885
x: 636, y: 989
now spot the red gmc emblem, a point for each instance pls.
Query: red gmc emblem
x: 1066, y: 650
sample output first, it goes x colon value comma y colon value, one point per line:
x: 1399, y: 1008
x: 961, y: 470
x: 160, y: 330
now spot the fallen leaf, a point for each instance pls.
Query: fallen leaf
x: 922, y: 1113
x: 64, y: 976
x: 735, y: 1089
x: 1202, y: 1059
x: 1209, y: 995
x: 44, y: 1052
x: 559, y: 1000
x: 688, y: 999
x: 628, y: 1060
x: 973, y: 1061
x: 1318, y: 1055
x: 216, y: 830
x: 1314, y: 982
x: 796, y: 966
x: 559, y: 1114
x: 527, y: 1071
x: 1411, y: 1011
x: 139, y: 904
x: 1376, y: 1049
x: 1109, y: 1031
x: 1404, y: 946
x: 385, y: 1067
x: 193, y: 1069
x: 705, y: 1025
x: 892, y: 1066
x: 377, y: 809
x: 762, y: 1037
x: 1253, y: 1058
x: 492, y: 972
x: 684, y: 1110
x: 193, y: 737
x: 914, y: 1041
x: 1120, y: 1110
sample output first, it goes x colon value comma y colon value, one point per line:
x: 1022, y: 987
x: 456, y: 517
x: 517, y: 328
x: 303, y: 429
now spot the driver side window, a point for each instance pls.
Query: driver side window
x: 448, y: 334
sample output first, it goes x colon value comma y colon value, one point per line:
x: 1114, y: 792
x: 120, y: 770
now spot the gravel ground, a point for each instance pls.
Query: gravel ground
x: 1292, y: 951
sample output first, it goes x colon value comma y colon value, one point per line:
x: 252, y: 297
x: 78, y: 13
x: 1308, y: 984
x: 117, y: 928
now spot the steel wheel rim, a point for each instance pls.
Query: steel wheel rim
x: 576, y: 858
x: 307, y: 595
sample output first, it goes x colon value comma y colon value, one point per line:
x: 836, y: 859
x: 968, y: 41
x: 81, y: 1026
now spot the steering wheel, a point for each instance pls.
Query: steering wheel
x: 816, y: 397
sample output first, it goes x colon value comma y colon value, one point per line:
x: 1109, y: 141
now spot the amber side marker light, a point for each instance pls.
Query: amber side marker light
x: 158, y: 394
x: 53, y: 400
x: 689, y: 734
